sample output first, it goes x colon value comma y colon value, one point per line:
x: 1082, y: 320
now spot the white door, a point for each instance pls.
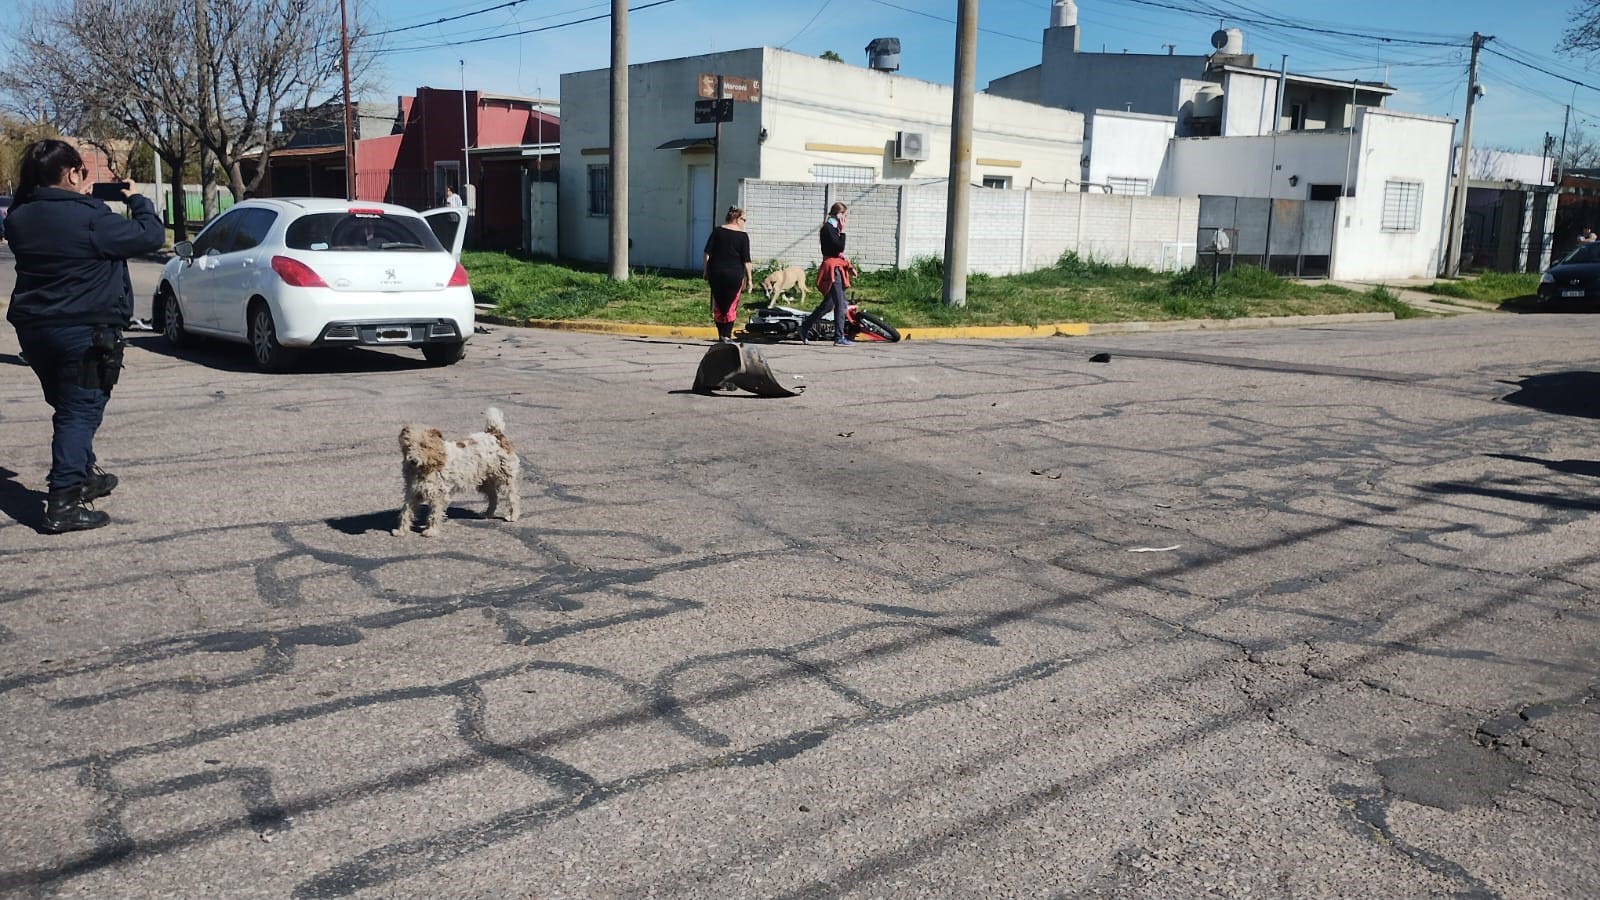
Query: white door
x: 700, y: 222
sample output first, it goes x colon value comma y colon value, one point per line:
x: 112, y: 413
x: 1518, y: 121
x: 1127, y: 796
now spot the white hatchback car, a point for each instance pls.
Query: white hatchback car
x: 287, y: 274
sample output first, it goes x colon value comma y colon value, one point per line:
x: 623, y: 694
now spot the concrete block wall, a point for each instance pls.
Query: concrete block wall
x: 782, y: 218
x: 1052, y: 226
x: 1009, y: 231
x: 924, y: 223
x: 996, y: 230
x: 874, y: 236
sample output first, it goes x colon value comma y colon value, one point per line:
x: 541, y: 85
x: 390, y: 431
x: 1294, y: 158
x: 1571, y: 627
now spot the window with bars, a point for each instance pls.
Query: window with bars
x: 1123, y: 185
x: 845, y: 174
x: 997, y: 181
x: 1402, y: 205
x: 600, y: 190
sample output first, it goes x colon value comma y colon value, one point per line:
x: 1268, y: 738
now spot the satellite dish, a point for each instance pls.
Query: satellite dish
x: 1219, y: 39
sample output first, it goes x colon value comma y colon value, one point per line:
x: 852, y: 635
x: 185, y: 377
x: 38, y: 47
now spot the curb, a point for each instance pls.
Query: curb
x: 973, y: 332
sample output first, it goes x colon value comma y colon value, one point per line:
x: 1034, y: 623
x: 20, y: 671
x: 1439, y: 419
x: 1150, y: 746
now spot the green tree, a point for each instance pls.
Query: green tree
x: 832, y: 56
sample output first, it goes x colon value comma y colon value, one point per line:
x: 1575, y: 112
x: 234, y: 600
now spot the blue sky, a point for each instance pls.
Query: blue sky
x: 1425, y: 56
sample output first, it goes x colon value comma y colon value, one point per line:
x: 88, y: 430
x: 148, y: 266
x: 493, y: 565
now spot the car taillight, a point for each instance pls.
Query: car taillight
x: 459, y: 278
x: 296, y: 273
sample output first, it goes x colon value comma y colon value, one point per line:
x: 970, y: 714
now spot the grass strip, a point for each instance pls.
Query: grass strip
x: 1073, y: 290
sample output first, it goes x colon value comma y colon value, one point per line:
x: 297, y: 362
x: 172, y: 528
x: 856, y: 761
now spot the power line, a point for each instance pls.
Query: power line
x: 511, y: 34
x: 809, y: 23
x: 1555, y: 75
x: 927, y: 15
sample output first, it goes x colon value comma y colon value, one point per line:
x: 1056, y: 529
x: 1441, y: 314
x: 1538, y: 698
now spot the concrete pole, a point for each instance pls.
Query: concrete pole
x: 349, y: 132
x: 619, y: 141
x: 1458, y: 214
x: 957, y: 207
x: 464, y: 189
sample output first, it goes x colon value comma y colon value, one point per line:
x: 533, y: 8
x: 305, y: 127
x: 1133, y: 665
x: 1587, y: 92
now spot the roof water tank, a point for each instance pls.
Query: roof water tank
x: 883, y: 54
x: 1228, y: 40
x: 1208, y: 101
x: 1063, y: 14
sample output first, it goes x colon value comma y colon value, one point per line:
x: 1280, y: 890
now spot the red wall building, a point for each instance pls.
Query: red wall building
x: 412, y: 168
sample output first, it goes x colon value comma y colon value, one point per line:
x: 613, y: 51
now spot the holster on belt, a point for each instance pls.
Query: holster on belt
x: 102, y: 365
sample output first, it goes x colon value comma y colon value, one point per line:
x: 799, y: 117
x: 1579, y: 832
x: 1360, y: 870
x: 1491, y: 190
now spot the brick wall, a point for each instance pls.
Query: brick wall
x: 1009, y: 231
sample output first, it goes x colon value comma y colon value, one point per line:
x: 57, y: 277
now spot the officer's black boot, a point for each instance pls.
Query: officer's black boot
x: 100, y: 484
x: 64, y: 510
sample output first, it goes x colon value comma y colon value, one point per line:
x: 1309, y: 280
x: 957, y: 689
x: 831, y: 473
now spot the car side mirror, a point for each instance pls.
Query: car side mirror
x: 184, y: 249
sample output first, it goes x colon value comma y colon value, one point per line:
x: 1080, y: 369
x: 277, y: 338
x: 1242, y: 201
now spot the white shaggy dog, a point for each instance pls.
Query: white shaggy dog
x: 435, y: 468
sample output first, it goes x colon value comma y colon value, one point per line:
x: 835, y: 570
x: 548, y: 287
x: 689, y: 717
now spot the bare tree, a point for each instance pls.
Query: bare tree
x: 1582, y: 35
x: 188, y: 77
x: 73, y: 59
x: 258, y: 58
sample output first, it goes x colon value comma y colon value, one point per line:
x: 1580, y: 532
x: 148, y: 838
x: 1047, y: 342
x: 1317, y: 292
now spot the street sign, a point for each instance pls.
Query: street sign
x: 743, y: 90
x: 708, y: 111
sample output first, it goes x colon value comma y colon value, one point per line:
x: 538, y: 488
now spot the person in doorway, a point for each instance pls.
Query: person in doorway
x: 833, y: 277
x: 1587, y: 236
x: 728, y: 270
x: 451, y: 198
x: 71, y: 301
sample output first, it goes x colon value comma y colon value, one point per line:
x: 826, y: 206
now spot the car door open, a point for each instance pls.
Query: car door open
x: 449, y: 225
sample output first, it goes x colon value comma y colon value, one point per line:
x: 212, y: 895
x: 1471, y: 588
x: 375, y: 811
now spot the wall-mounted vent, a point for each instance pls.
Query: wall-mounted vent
x: 911, y: 146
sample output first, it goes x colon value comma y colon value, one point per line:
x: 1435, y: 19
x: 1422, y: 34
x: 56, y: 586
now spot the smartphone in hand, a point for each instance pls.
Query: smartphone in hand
x: 109, y: 190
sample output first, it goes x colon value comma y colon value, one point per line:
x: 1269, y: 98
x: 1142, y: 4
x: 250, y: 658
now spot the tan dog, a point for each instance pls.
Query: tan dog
x: 435, y: 468
x: 778, y: 282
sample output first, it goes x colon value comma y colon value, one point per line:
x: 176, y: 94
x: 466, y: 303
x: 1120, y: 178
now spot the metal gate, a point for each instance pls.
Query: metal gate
x: 1286, y: 237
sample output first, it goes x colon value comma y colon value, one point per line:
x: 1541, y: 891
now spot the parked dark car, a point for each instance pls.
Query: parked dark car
x: 1575, y: 278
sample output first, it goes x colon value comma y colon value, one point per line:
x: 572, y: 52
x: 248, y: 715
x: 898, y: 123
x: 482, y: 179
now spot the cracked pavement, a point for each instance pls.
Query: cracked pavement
x: 882, y: 639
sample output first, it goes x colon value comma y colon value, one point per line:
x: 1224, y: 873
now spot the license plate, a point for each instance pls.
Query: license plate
x: 391, y: 335
x: 1572, y: 293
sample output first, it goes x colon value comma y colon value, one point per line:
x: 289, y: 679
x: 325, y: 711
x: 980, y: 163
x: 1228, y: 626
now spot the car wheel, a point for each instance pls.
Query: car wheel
x: 172, y: 320
x: 270, y: 355
x: 444, y: 353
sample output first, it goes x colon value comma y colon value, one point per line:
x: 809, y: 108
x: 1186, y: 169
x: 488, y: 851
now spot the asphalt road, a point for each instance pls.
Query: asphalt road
x: 1300, y: 613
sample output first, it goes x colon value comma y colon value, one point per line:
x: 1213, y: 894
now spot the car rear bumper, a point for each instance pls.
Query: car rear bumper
x: 410, y: 333
x: 319, y: 317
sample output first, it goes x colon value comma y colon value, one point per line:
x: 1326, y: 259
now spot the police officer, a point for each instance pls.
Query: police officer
x: 71, y: 301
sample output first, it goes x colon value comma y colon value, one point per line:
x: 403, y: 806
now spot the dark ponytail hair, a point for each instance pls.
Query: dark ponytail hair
x: 44, y: 164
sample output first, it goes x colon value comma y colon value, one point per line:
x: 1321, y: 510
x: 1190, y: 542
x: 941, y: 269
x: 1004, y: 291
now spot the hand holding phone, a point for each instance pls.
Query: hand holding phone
x: 110, y: 190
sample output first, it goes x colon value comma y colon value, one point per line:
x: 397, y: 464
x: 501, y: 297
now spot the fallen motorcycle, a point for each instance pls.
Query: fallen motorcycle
x: 779, y: 323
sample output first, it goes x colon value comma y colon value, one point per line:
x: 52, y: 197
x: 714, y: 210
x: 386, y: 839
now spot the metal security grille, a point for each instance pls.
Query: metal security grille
x: 1287, y: 237
x: 1402, y: 205
x: 599, y: 190
x: 844, y: 174
x: 1121, y: 185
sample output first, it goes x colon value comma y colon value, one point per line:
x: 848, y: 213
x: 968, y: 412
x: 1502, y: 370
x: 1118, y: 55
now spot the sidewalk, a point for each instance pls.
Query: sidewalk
x: 1454, y: 306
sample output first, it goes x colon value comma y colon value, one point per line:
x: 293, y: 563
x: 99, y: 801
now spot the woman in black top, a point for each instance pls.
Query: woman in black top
x: 727, y: 268
x: 71, y: 301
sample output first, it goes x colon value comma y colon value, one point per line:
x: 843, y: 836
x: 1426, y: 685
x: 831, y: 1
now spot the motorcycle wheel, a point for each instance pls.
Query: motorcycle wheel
x: 875, y: 329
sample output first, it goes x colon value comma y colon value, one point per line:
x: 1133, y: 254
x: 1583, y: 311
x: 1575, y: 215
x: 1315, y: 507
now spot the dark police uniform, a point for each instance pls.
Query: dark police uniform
x: 72, y: 293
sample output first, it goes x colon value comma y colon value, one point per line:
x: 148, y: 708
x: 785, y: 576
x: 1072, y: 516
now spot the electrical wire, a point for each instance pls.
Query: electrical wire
x: 496, y: 37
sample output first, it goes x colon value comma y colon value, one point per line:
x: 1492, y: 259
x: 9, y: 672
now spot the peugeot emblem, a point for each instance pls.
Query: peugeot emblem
x: 388, y: 274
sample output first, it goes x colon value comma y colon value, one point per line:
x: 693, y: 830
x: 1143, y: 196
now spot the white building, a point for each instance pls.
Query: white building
x: 1221, y: 94
x: 1387, y: 177
x: 815, y: 121
x: 1371, y: 185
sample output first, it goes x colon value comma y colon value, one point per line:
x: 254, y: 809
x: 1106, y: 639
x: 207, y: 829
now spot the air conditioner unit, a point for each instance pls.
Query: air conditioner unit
x: 911, y: 146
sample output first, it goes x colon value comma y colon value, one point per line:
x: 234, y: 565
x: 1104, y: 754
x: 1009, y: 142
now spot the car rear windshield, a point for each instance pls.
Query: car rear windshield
x: 361, y: 231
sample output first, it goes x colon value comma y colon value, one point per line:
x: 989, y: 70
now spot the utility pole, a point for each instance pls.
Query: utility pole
x: 1561, y: 161
x: 468, y: 198
x: 1458, y: 220
x: 618, y: 254
x: 349, y: 131
x: 960, y: 186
